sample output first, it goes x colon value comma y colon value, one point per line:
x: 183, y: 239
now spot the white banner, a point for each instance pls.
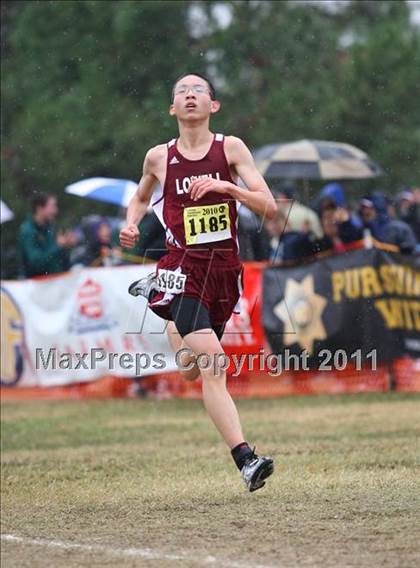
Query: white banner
x: 80, y: 326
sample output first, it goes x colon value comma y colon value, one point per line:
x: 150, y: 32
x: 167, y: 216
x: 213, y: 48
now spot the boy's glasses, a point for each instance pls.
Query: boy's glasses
x: 183, y: 89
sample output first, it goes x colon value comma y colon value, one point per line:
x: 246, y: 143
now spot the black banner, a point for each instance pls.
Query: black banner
x: 363, y: 300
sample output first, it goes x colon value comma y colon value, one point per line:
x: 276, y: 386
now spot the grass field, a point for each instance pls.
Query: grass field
x: 145, y: 483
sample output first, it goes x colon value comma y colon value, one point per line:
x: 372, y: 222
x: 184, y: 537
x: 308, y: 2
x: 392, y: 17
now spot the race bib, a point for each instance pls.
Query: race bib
x: 171, y: 281
x: 207, y: 224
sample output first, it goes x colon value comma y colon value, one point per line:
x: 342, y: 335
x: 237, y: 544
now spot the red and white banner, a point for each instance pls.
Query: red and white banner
x: 83, y: 325
x: 79, y: 326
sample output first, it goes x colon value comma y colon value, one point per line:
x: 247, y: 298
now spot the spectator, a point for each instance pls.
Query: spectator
x: 287, y: 244
x: 335, y: 192
x: 300, y: 218
x: 252, y: 236
x: 377, y: 215
x: 399, y: 233
x: 152, y: 241
x: 338, y: 226
x: 253, y: 239
x: 373, y: 213
x: 41, y: 249
x: 408, y: 209
x: 99, y: 249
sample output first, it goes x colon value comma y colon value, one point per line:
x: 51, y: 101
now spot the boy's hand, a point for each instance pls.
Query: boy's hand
x: 199, y: 187
x: 129, y: 235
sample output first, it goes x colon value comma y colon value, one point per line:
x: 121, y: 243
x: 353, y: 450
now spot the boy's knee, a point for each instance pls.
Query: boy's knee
x: 191, y: 374
x: 186, y: 362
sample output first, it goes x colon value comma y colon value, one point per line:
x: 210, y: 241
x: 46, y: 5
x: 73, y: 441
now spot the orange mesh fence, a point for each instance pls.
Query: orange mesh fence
x: 249, y: 384
x: 259, y: 384
x: 106, y: 387
x: 406, y: 375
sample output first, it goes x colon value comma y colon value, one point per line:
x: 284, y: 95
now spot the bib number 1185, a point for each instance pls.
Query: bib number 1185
x: 215, y: 223
x: 207, y: 224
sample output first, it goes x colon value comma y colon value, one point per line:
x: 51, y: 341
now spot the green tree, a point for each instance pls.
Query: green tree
x: 87, y: 89
x: 278, y: 62
x: 379, y: 108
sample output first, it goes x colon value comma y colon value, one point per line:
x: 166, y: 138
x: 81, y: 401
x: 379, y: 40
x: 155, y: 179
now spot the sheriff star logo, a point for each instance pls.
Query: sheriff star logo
x: 301, y: 311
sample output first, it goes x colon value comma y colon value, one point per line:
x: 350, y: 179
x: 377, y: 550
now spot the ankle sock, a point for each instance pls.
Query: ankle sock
x: 240, y: 454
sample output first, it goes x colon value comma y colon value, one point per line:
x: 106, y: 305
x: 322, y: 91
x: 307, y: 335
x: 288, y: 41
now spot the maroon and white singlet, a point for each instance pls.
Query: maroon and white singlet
x: 201, y: 236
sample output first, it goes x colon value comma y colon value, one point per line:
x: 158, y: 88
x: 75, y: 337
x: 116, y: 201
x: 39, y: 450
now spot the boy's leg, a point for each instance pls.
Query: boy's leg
x: 216, y: 397
x: 186, y: 359
x: 192, y: 321
x: 222, y: 410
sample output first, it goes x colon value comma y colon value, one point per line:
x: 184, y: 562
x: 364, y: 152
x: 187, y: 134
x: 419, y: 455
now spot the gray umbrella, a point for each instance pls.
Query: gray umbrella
x: 315, y: 159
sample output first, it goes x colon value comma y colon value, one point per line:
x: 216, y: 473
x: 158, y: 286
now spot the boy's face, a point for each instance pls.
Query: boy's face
x: 192, y: 99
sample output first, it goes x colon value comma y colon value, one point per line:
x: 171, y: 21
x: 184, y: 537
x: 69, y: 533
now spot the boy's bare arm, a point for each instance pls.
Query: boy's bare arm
x: 139, y: 203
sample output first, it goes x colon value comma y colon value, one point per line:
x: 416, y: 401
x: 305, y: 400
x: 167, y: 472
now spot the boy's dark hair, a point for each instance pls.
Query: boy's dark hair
x: 40, y: 199
x: 212, y: 90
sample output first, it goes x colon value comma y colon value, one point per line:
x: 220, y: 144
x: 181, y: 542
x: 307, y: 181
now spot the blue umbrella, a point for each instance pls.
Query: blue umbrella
x: 6, y: 214
x: 117, y: 191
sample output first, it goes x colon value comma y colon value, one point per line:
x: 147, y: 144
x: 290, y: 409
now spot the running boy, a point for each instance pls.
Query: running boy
x: 198, y: 282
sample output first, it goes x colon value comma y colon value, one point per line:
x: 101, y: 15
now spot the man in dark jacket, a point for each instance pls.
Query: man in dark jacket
x: 399, y: 232
x: 377, y: 213
x: 407, y: 205
x: 41, y: 249
x: 339, y: 226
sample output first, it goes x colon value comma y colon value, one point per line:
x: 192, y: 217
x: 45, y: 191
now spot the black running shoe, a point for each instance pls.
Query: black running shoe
x: 255, y: 470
